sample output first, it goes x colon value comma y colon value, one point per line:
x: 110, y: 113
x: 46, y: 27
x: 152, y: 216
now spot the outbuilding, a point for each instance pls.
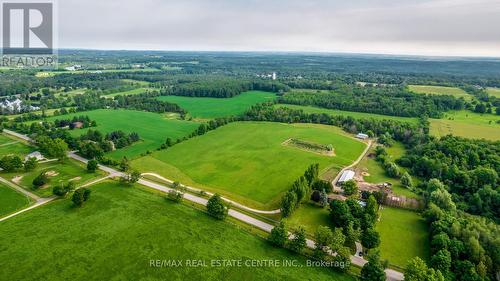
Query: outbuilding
x: 362, y: 136
x: 347, y: 175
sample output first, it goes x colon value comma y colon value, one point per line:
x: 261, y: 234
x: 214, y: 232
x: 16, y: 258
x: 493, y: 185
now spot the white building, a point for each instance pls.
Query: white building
x: 362, y: 136
x: 347, y: 175
x: 73, y: 68
x: 274, y: 76
x: 35, y: 154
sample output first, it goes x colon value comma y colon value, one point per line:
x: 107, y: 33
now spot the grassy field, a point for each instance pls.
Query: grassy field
x: 404, y: 235
x: 493, y: 92
x: 439, y: 90
x: 248, y: 161
x: 333, y: 112
x: 119, y: 230
x: 152, y: 128
x: 309, y: 216
x: 11, y: 200
x: 5, y: 139
x: 377, y: 173
x: 53, y: 73
x: 60, y: 173
x: 131, y: 92
x: 219, y: 107
x: 467, y: 124
x: 14, y: 147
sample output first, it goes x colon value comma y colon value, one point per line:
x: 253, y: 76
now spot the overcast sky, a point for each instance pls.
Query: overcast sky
x: 422, y: 27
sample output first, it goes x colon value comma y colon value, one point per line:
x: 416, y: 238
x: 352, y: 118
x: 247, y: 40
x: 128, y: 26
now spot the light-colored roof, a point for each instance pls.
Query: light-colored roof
x: 346, y: 176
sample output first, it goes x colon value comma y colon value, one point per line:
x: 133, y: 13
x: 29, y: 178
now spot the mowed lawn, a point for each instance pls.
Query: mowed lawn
x: 11, y: 146
x: 116, y: 234
x: 310, y: 216
x: 11, y: 200
x: 467, y: 124
x: 153, y: 128
x: 335, y: 112
x: 439, y: 90
x: 59, y: 173
x: 219, y: 107
x: 247, y: 160
x: 403, y: 235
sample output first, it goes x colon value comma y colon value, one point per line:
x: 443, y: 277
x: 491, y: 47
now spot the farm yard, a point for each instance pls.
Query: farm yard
x: 117, y: 233
x: 440, y: 90
x: 153, y: 128
x: 11, y: 200
x: 247, y: 161
x: 467, y: 124
x: 207, y: 108
x: 334, y: 112
x: 403, y: 235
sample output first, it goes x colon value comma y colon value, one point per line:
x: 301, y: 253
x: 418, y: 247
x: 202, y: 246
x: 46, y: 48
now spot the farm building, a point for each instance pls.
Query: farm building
x: 35, y: 154
x: 362, y: 136
x: 347, y: 175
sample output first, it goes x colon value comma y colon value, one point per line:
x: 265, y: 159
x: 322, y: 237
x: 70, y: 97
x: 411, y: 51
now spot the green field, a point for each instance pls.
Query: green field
x: 378, y: 175
x: 219, y: 107
x: 493, y: 92
x: 309, y: 216
x: 152, y: 128
x: 403, y: 234
x: 53, y: 73
x: 60, y: 173
x: 11, y: 147
x: 11, y: 200
x: 247, y: 160
x: 130, y: 92
x: 439, y: 90
x: 334, y: 112
x: 467, y: 124
x: 119, y: 230
x: 5, y: 139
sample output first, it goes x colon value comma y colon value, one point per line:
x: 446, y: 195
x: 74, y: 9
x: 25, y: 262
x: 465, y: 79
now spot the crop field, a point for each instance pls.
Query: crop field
x: 467, y: 124
x: 493, y: 92
x: 334, y: 112
x: 208, y: 108
x: 116, y: 234
x: 439, y: 90
x: 403, y: 235
x: 11, y: 200
x: 152, y: 128
x: 58, y: 174
x: 247, y: 161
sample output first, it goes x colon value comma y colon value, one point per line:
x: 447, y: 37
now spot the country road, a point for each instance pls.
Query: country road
x: 391, y: 275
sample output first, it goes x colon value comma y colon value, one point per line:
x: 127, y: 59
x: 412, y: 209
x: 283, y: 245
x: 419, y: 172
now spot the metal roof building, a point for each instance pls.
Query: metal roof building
x: 347, y: 175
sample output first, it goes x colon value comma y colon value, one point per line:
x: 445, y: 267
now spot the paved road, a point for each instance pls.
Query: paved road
x: 17, y: 135
x: 392, y: 275
x: 233, y: 203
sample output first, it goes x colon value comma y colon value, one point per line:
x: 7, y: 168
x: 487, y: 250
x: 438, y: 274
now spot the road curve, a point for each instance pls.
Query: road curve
x: 391, y: 275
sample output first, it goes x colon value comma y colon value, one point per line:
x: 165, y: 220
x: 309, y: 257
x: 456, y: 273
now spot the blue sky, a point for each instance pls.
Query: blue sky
x: 425, y: 27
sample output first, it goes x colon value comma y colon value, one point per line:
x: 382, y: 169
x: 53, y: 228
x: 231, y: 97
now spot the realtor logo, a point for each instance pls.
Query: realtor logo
x: 28, y: 28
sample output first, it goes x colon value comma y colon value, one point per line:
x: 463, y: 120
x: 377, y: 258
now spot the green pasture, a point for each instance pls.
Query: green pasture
x: 439, y: 90
x: 334, y: 112
x: 248, y: 161
x: 467, y: 124
x: 403, y: 234
x: 119, y: 232
x: 153, y: 128
x: 11, y: 200
x: 219, y: 107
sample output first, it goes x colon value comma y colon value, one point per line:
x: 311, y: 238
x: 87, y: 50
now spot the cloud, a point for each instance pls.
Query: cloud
x: 433, y: 27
